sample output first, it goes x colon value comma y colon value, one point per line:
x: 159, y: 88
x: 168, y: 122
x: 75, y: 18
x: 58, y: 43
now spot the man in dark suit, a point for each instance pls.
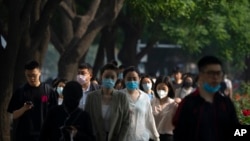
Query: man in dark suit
x: 84, y: 75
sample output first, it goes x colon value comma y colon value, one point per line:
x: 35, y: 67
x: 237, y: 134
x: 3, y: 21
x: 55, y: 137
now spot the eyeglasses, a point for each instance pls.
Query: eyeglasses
x: 32, y: 75
x: 213, y: 73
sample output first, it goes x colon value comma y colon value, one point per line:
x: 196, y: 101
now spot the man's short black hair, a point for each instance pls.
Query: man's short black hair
x: 208, y: 60
x: 130, y: 69
x: 108, y: 66
x: 30, y: 65
x: 86, y: 66
x: 176, y: 70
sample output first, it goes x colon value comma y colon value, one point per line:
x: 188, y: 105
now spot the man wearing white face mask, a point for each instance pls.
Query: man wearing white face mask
x: 84, y: 78
x: 164, y: 107
x: 146, y: 85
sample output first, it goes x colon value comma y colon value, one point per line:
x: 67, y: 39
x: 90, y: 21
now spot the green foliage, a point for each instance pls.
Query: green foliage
x: 153, y: 10
x: 218, y: 24
x: 242, y: 103
x: 218, y: 27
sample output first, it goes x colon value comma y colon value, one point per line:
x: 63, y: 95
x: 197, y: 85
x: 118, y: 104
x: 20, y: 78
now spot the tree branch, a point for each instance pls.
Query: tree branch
x: 87, y: 19
x: 104, y: 15
x: 26, y: 14
x: 145, y: 50
x: 68, y: 10
x: 55, y: 40
x: 35, y: 15
x: 43, y: 22
x: 82, y: 22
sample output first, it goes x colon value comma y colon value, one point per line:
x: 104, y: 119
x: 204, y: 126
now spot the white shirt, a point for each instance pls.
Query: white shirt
x: 60, y: 101
x: 142, y: 125
x: 106, y: 113
x: 182, y: 92
x: 228, y: 83
x: 84, y: 98
x: 163, y: 115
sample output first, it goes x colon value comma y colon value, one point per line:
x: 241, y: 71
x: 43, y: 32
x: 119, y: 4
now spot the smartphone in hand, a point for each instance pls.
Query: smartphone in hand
x: 29, y: 102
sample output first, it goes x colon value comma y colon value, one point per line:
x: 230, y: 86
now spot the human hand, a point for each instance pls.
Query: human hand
x: 177, y: 100
x: 157, y: 139
x: 71, y: 129
x: 28, y: 105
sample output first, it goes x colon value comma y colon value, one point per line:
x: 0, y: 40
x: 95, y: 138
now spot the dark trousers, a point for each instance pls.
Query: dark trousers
x: 107, y: 136
x: 165, y: 137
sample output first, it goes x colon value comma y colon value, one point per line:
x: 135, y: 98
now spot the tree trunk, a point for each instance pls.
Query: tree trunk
x: 35, y: 38
x: 127, y: 54
x: 99, y: 59
x: 107, y: 44
x: 68, y: 61
x: 23, y: 55
x: 7, y: 61
x: 110, y: 38
x: 150, y: 44
x: 107, y: 12
x: 19, y: 25
x: 67, y: 30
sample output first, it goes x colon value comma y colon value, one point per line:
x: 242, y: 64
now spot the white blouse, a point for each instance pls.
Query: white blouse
x: 163, y: 115
x: 106, y: 113
x: 182, y: 92
x: 142, y: 125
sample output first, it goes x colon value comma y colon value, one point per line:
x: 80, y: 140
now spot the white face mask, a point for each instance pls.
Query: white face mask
x: 147, y: 86
x: 162, y: 93
x: 81, y: 79
x: 59, y: 90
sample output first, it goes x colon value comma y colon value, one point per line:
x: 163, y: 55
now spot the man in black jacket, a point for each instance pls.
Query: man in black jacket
x: 206, y: 114
x: 68, y: 122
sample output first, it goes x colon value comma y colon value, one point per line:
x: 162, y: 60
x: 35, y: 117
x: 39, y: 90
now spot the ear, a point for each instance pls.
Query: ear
x: 200, y: 78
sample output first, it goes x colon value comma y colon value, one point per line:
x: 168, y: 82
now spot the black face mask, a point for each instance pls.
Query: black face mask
x: 187, y: 84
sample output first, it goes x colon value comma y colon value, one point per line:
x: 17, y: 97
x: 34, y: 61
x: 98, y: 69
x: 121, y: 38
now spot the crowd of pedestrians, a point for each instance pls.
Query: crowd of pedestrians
x: 124, y: 105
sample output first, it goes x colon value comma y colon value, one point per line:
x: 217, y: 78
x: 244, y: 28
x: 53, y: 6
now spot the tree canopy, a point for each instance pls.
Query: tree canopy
x: 219, y: 26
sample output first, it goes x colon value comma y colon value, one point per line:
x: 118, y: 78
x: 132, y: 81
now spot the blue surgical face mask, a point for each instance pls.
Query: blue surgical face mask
x: 132, y: 85
x: 210, y: 89
x: 108, y: 83
x: 59, y: 90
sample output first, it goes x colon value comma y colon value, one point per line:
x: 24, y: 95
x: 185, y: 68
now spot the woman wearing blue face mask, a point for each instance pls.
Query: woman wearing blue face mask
x: 142, y: 126
x: 108, y: 108
x: 58, y: 85
x: 146, y: 85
